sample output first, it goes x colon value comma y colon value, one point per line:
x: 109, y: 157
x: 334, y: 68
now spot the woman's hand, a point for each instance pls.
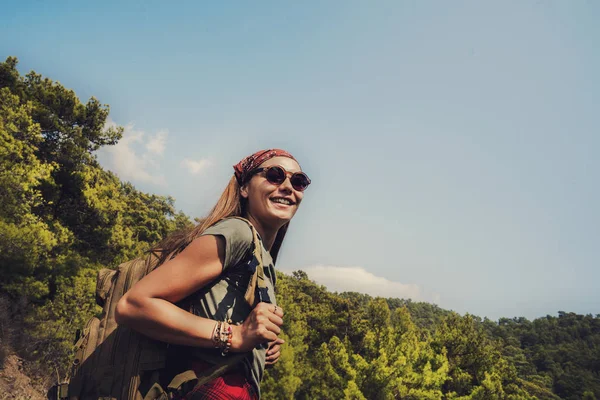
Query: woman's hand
x: 274, y: 351
x: 262, y: 326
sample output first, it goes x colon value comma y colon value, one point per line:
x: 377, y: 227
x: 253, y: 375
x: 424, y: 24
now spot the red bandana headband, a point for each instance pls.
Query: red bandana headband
x: 252, y: 162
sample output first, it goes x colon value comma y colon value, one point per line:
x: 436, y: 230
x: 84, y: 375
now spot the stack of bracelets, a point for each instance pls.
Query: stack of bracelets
x: 222, y: 336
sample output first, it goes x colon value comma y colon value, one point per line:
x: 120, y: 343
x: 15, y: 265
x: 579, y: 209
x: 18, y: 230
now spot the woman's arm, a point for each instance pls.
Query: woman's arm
x: 149, y: 306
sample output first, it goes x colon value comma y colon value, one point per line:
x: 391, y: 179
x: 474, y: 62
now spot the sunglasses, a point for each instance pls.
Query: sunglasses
x: 277, y: 175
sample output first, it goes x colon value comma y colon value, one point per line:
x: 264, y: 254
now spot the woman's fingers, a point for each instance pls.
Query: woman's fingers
x: 269, y: 336
x: 279, y: 341
x: 272, y: 312
x: 274, y: 348
x: 265, y: 322
x: 273, y: 358
x: 277, y: 311
x: 272, y: 308
x: 272, y: 327
x: 274, y: 351
x: 275, y: 319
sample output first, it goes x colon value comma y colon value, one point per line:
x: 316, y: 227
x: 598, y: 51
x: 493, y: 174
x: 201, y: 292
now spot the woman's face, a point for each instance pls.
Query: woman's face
x: 271, y: 203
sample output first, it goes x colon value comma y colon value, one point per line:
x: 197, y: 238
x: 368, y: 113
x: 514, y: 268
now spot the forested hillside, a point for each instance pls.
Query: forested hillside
x: 62, y: 217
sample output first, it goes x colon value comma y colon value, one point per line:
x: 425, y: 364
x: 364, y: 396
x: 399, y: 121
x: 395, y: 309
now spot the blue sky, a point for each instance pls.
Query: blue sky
x: 452, y: 145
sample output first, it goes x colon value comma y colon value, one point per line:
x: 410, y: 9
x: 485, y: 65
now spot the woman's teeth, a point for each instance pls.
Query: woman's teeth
x: 282, y: 201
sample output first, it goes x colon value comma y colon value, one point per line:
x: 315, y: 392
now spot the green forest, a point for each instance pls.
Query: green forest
x: 63, y: 217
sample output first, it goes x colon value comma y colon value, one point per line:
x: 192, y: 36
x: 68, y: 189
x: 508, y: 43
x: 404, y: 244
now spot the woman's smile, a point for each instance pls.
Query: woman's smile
x: 282, y: 201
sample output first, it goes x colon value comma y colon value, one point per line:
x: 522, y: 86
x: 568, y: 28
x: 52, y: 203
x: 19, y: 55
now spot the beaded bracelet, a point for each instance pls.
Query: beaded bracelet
x: 216, y: 334
x: 222, y: 336
x: 227, y: 340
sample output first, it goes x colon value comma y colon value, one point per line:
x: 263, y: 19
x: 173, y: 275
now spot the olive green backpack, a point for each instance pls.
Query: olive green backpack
x: 111, y: 360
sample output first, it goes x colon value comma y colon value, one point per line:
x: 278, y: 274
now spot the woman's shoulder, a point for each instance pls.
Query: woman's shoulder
x: 234, y: 229
x: 238, y: 239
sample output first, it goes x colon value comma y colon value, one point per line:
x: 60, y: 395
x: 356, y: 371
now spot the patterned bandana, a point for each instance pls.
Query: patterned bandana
x: 255, y: 160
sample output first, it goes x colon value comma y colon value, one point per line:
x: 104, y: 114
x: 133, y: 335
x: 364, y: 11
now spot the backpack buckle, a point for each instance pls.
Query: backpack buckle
x: 252, y: 264
x: 263, y: 295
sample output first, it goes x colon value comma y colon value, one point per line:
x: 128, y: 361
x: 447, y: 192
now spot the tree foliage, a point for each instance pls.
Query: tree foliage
x: 63, y: 217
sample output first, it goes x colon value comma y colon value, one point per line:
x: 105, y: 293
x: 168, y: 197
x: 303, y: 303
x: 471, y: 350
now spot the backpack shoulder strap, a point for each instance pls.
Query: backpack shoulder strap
x: 256, y: 266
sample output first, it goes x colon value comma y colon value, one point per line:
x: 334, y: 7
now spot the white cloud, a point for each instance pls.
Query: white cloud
x: 195, y: 167
x: 357, y: 279
x: 130, y: 160
x: 156, y: 145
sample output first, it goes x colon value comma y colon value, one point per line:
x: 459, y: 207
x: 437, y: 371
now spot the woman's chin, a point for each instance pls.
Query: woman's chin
x: 281, y: 211
x: 282, y: 215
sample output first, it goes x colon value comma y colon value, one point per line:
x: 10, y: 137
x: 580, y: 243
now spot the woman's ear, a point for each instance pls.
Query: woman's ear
x: 244, y: 191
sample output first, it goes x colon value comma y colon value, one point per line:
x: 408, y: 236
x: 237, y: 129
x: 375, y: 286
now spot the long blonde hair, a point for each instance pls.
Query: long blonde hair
x: 230, y: 204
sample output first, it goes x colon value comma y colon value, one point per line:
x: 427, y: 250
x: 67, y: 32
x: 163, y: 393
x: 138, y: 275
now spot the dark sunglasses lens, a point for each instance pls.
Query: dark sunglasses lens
x: 299, y: 181
x: 275, y: 175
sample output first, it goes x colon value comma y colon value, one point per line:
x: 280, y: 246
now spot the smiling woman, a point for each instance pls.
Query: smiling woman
x: 210, y: 274
x: 275, y: 197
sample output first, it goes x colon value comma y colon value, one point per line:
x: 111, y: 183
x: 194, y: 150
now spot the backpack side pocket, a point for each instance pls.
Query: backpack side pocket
x: 84, y: 347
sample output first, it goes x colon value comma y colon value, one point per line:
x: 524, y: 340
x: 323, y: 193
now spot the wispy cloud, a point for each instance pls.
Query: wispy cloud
x: 195, y: 167
x: 357, y: 279
x: 157, y: 144
x: 132, y: 161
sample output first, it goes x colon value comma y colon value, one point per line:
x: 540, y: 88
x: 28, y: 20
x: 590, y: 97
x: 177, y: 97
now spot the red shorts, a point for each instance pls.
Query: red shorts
x: 232, y: 385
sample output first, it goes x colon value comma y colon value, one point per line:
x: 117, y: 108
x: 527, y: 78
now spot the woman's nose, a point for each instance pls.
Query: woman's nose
x: 286, y: 185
